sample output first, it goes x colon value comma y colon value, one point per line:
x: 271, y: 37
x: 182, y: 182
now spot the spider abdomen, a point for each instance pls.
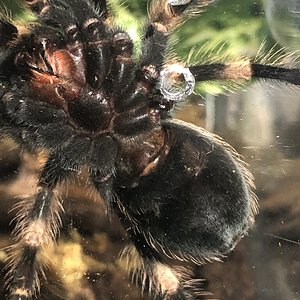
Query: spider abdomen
x: 207, y: 204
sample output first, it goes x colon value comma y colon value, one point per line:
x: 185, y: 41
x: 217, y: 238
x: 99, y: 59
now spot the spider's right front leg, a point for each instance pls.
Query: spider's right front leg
x: 37, y: 225
x: 164, y: 17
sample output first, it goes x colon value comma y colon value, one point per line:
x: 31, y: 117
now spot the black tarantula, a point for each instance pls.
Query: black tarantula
x: 69, y: 85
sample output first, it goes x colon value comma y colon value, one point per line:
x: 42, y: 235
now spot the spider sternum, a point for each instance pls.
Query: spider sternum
x: 92, y: 111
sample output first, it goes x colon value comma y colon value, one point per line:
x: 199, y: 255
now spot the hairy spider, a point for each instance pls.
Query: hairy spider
x: 71, y: 87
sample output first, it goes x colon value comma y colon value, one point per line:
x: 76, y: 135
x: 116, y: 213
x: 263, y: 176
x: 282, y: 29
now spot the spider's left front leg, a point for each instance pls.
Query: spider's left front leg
x: 164, y: 17
x: 37, y: 225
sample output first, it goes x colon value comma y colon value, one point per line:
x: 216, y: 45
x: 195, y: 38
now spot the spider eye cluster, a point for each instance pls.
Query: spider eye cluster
x: 176, y: 82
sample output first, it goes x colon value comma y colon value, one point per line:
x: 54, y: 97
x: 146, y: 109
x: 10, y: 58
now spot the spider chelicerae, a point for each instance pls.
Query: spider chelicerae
x: 70, y: 86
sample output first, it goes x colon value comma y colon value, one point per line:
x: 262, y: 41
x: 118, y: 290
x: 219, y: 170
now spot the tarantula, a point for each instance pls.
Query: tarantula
x: 69, y: 85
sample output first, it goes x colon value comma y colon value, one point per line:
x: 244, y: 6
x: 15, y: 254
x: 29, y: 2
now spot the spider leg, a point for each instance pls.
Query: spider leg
x: 244, y: 70
x: 134, y: 122
x: 7, y: 32
x: 57, y: 49
x: 85, y: 24
x: 153, y: 274
x: 97, y: 40
x: 102, y: 167
x: 33, y: 234
x: 38, y: 221
x: 122, y: 71
x: 164, y: 16
x: 134, y: 117
x: 101, y: 6
x: 52, y: 39
x: 37, y: 226
x: 278, y: 73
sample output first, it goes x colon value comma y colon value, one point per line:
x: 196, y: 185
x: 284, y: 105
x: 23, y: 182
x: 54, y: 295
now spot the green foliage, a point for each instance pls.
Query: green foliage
x: 238, y: 24
x: 239, y: 34
x: 15, y: 10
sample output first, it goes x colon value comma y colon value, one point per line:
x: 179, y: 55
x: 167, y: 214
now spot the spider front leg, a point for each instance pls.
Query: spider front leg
x: 164, y: 16
x: 37, y: 225
x: 7, y: 32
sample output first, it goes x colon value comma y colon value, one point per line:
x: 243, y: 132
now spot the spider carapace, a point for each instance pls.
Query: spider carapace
x: 70, y: 86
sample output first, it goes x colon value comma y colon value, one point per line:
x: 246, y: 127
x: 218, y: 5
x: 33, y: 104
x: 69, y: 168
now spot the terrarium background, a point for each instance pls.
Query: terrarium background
x: 261, y: 122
